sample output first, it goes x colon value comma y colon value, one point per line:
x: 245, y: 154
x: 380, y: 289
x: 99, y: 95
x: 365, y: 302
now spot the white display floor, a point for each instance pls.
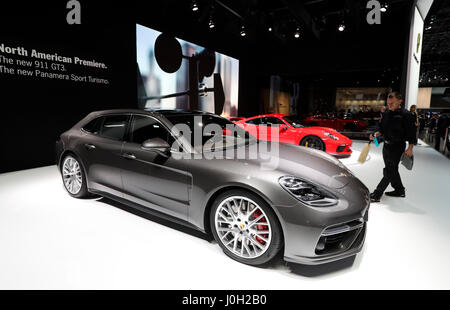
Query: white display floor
x: 49, y: 240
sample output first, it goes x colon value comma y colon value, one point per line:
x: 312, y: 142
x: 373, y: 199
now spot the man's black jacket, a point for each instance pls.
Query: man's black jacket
x: 398, y: 126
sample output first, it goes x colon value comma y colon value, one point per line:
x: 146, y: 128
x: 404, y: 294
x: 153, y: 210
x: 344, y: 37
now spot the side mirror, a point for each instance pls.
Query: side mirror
x: 157, y: 145
x: 283, y: 128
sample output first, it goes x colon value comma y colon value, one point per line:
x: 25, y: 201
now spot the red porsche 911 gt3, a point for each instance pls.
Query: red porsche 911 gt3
x: 291, y: 130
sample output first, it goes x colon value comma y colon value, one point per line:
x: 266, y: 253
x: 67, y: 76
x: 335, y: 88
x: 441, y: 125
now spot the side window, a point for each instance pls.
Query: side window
x: 272, y: 121
x: 93, y: 126
x: 254, y: 121
x: 114, y: 126
x: 144, y: 128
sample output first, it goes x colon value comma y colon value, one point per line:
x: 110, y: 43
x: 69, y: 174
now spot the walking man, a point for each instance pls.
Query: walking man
x: 396, y: 126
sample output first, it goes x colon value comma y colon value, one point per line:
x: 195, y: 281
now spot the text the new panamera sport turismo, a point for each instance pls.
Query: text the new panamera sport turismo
x: 309, y: 205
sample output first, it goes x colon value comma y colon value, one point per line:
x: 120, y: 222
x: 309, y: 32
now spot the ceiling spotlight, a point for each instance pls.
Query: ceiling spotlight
x: 270, y: 29
x: 297, y: 33
x: 194, y: 5
x: 341, y: 27
x: 211, y: 23
x: 243, y: 32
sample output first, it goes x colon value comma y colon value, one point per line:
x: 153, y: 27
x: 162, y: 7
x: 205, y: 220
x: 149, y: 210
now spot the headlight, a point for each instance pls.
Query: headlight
x: 307, y: 193
x: 330, y: 136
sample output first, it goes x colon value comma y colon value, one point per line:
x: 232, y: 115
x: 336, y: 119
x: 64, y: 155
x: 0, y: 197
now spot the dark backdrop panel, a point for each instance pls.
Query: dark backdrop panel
x: 35, y: 111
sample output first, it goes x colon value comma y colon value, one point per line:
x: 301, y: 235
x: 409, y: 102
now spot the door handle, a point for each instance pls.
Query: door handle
x: 89, y: 146
x: 128, y: 156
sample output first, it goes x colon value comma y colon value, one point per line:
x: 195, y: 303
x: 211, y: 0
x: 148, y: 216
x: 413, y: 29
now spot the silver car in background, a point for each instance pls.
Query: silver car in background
x: 309, y: 206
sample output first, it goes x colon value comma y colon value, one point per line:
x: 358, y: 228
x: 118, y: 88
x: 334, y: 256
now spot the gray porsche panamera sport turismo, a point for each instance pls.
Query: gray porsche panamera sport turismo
x: 308, y: 205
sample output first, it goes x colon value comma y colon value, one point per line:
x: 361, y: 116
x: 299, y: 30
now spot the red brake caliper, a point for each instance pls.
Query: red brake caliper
x: 257, y: 214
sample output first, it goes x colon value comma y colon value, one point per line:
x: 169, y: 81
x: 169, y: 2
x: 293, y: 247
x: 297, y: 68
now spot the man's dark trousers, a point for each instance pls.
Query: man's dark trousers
x: 391, y: 156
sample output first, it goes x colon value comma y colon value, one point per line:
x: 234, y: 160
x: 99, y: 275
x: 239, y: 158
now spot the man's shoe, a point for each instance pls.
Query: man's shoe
x: 374, y: 197
x: 396, y: 193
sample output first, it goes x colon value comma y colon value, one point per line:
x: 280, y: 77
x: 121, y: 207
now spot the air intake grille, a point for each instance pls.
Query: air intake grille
x: 339, y: 238
x: 341, y: 148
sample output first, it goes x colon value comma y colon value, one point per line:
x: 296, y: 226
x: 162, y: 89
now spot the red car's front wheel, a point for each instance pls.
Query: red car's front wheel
x: 313, y: 142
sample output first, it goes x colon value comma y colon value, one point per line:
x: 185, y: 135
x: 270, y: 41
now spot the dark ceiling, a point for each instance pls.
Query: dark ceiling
x: 435, y: 69
x: 362, y: 54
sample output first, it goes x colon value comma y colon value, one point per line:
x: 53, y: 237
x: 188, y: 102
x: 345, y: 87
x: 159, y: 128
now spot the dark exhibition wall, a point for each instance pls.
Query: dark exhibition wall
x: 38, y: 109
x: 35, y: 110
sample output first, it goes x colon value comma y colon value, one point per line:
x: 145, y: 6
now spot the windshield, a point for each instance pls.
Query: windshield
x: 293, y: 121
x: 210, y: 132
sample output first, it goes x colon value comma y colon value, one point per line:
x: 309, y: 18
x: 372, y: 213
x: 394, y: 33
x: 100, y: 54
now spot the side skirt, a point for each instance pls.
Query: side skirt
x: 146, y: 210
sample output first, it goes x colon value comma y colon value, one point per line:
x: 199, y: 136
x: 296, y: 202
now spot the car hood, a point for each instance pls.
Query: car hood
x: 287, y: 159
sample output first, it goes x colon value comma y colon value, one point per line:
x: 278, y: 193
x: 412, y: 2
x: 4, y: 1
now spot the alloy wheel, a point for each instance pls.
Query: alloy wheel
x: 313, y: 142
x: 72, y: 176
x: 243, y: 227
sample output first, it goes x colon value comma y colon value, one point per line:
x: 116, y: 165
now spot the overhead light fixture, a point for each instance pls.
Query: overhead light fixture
x: 211, y: 23
x: 341, y: 27
x: 243, y: 32
x: 194, y: 5
x: 297, y: 33
x: 384, y: 7
x: 270, y: 29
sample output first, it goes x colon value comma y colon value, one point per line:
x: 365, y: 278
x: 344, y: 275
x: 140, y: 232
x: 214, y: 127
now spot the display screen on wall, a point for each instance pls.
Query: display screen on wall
x: 154, y: 82
x: 360, y: 99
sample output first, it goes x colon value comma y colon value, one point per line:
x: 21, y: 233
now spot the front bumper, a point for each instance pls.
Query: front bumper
x: 318, y: 235
x: 351, y: 245
x: 338, y: 148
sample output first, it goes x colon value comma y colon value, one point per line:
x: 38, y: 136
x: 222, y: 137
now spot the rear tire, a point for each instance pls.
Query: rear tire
x: 73, y: 177
x: 246, y: 228
x: 313, y: 142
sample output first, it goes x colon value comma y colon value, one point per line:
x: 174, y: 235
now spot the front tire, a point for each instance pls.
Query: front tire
x: 73, y: 177
x: 245, y: 227
x: 313, y: 142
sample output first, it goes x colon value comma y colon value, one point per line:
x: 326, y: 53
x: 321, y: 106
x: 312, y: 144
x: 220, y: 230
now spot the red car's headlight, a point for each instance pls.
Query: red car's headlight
x: 330, y: 136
